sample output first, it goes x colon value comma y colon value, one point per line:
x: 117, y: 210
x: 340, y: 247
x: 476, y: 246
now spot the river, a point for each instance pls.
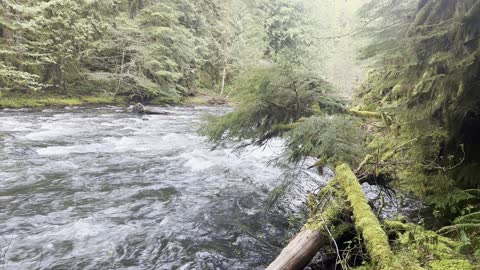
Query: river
x: 101, y: 188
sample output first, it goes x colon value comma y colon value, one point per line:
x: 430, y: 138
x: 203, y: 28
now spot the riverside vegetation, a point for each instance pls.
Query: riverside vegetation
x: 412, y: 125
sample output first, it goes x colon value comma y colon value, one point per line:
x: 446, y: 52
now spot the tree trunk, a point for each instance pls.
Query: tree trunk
x: 366, y: 223
x: 318, y: 231
x: 120, y: 74
x: 224, y: 77
x: 315, y: 234
x: 299, y: 251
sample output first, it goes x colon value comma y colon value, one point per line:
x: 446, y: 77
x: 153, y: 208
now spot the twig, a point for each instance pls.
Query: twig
x: 339, y: 258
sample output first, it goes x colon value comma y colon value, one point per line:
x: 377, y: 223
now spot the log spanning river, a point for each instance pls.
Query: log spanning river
x: 100, y: 188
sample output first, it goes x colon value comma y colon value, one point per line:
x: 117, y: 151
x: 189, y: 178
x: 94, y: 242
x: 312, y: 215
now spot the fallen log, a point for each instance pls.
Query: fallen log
x: 366, y: 114
x: 151, y: 111
x: 323, y: 226
x: 301, y: 250
x: 366, y: 223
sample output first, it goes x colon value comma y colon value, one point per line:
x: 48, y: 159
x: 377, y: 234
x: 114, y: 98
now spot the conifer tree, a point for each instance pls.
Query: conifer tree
x: 279, y: 95
x: 427, y: 79
x: 47, y: 41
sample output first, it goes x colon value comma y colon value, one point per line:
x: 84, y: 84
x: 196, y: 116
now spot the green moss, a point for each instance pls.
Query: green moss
x: 366, y: 114
x: 17, y: 102
x: 412, y: 247
x: 415, y: 246
x: 334, y: 207
x: 102, y: 100
x: 450, y: 265
x: 429, y: 87
x: 367, y: 224
x: 196, y: 100
x: 363, y: 267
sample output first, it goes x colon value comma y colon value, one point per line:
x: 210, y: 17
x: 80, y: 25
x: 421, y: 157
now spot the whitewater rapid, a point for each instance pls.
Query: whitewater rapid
x: 100, y: 188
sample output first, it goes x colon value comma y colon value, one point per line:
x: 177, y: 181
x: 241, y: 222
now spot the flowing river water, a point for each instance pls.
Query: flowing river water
x: 100, y: 188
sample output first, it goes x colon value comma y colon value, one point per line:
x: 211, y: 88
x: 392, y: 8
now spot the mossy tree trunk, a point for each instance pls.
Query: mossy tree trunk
x: 366, y: 223
x: 315, y: 234
x: 323, y: 227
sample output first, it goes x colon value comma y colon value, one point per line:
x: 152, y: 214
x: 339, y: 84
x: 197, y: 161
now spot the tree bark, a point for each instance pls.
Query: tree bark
x: 299, y: 251
x: 224, y: 77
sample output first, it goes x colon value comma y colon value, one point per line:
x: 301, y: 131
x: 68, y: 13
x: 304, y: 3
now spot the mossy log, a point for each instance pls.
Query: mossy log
x: 301, y: 249
x: 366, y: 114
x: 366, y: 223
x: 363, y: 163
x: 323, y: 226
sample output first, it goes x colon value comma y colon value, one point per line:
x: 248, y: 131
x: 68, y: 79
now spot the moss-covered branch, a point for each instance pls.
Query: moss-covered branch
x: 372, y: 115
x: 366, y: 114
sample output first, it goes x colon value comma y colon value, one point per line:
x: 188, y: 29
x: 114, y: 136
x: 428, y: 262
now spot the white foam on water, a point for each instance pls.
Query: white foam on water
x: 8, y: 125
x: 51, y: 131
x: 123, y: 144
x: 101, y: 174
x: 198, y: 163
x: 74, y: 149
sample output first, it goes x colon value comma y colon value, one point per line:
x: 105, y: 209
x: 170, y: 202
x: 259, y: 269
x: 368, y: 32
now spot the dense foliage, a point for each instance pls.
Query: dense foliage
x: 427, y: 79
x: 430, y: 86
x: 280, y: 96
x: 423, y: 91
x: 139, y: 49
x: 43, y: 43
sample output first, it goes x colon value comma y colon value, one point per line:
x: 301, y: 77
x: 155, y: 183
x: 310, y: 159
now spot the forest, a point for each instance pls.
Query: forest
x: 384, y: 93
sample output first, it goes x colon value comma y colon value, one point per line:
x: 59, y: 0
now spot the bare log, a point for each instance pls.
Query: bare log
x: 299, y: 251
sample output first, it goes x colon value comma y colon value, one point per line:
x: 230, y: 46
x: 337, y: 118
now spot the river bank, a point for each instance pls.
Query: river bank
x: 18, y: 102
x: 41, y: 100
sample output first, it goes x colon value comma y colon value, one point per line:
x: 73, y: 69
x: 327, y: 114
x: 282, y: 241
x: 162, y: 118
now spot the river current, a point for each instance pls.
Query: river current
x: 101, y: 188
